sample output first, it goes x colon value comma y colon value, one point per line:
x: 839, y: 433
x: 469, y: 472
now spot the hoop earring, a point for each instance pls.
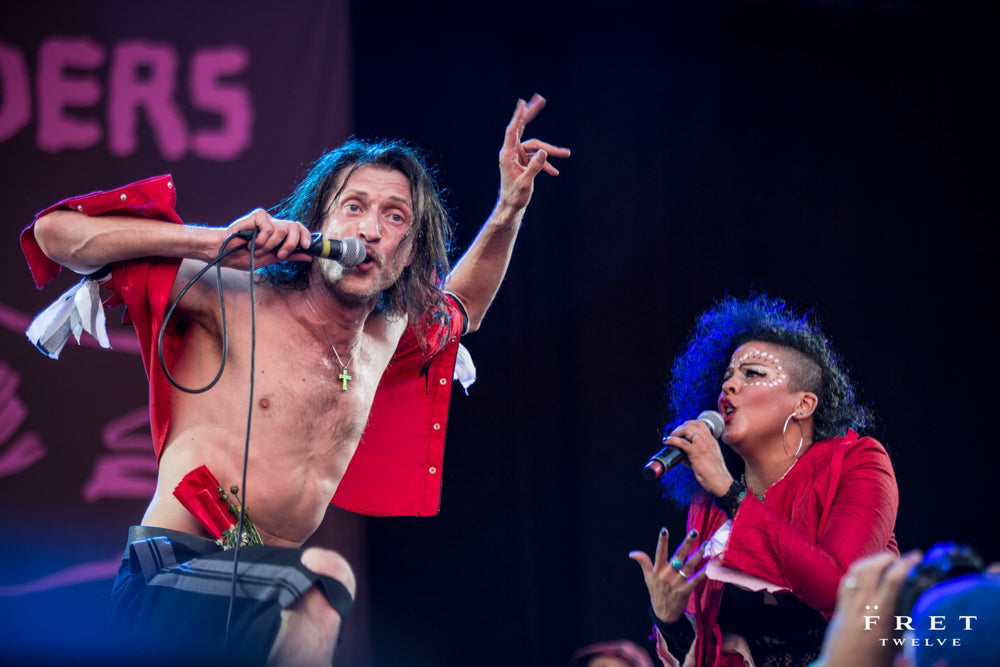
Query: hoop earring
x: 802, y: 436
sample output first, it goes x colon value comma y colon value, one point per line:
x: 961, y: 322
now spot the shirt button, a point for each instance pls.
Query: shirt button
x: 170, y: 185
x: 443, y: 381
x: 437, y: 427
x: 432, y: 470
x: 79, y: 207
x: 124, y: 196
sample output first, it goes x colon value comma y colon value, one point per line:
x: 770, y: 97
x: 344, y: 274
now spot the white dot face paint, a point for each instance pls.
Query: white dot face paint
x: 755, y: 397
x: 755, y: 367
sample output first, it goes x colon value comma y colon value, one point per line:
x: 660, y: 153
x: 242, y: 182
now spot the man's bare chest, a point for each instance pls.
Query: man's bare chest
x: 312, y: 391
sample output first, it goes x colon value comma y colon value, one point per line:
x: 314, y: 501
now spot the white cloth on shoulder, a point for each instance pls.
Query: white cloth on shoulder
x: 79, y: 309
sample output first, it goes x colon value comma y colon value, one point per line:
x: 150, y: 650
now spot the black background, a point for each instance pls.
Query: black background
x: 838, y: 154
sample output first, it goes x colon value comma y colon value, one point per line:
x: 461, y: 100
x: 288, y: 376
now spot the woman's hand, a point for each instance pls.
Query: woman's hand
x: 671, y: 580
x: 703, y: 455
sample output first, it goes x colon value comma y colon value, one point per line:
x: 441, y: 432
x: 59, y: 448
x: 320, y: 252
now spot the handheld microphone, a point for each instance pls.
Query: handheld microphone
x: 347, y: 252
x: 670, y: 456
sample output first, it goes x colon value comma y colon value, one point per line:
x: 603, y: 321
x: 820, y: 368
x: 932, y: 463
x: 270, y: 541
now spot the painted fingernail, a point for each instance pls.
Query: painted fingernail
x: 663, y: 531
x: 693, y: 534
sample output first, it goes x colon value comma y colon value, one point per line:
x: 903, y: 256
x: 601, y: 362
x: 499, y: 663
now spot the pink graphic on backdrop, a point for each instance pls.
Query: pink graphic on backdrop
x: 15, y: 92
x: 231, y: 102
x: 129, y: 469
x: 81, y: 573
x: 143, y: 86
x: 144, y: 76
x: 59, y: 90
x: 24, y: 450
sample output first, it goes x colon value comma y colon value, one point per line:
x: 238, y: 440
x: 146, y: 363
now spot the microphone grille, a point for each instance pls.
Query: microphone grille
x: 352, y: 252
x: 716, y: 425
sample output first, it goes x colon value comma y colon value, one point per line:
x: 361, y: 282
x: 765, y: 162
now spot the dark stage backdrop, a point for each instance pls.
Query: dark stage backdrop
x: 841, y: 155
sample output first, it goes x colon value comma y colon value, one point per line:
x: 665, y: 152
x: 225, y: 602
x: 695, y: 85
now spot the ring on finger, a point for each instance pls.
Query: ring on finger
x: 684, y: 575
x: 676, y: 563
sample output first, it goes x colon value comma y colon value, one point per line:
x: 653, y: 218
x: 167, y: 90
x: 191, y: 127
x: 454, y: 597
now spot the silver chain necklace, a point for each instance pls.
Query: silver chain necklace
x: 345, y: 374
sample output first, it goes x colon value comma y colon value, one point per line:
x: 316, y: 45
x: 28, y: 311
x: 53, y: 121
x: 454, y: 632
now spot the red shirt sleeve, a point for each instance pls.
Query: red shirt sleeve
x: 150, y: 198
x: 143, y: 286
x: 818, y: 521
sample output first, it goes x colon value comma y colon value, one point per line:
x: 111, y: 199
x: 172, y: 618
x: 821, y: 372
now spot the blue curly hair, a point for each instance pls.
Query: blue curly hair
x: 696, y: 374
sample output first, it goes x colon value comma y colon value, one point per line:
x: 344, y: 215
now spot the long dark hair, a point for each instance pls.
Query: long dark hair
x: 696, y: 374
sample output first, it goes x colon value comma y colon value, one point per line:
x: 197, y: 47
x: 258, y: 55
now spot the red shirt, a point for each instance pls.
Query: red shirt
x: 396, y: 469
x: 837, y: 504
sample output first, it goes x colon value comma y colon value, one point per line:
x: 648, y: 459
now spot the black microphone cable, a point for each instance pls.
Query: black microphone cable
x: 217, y: 263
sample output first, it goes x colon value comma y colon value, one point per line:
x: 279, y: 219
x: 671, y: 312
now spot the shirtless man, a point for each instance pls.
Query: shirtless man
x: 323, y: 341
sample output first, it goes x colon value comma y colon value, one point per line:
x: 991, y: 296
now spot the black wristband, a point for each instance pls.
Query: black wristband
x: 679, y: 635
x: 462, y: 310
x: 730, y: 502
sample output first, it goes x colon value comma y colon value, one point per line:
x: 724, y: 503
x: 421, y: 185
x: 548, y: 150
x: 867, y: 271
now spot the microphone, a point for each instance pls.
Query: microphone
x: 670, y: 456
x: 347, y: 252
